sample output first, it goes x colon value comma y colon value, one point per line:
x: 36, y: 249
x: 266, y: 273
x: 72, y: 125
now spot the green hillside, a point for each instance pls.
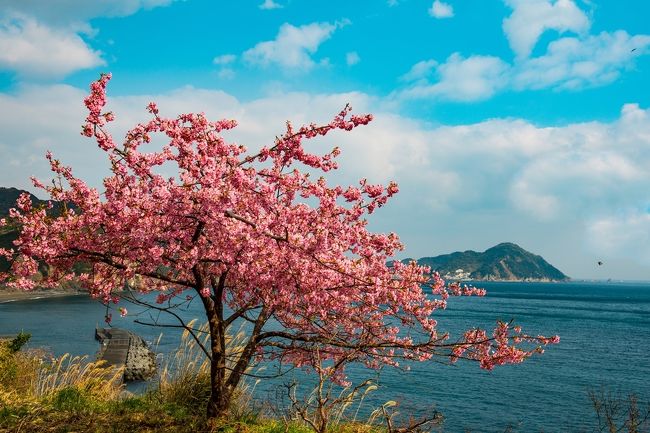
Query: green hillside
x: 506, y: 261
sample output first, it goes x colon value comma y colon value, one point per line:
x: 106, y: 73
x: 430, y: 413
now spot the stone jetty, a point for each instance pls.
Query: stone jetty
x: 120, y: 347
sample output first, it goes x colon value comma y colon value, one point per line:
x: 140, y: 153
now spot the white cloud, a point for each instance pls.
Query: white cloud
x: 585, y: 176
x: 41, y: 39
x: 459, y: 79
x: 420, y: 70
x: 572, y: 63
x: 64, y: 13
x: 626, y: 234
x: 441, y: 10
x: 553, y: 189
x: 531, y: 18
x: 224, y: 59
x: 35, y: 50
x: 587, y: 169
x: 226, y: 74
x: 270, y: 4
x: 352, y: 58
x: 293, y: 47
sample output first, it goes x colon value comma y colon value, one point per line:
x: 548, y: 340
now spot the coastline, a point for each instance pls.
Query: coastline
x: 24, y: 295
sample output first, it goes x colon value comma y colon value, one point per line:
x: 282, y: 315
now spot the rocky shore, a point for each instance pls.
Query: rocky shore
x: 11, y: 295
x: 120, y: 347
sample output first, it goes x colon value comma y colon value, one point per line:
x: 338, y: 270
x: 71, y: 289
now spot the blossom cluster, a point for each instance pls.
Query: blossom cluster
x: 253, y: 231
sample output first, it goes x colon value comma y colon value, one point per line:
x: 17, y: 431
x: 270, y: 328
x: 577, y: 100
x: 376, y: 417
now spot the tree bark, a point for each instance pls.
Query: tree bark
x: 220, y: 395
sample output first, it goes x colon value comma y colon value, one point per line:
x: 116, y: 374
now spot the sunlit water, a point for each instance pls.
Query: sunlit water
x: 605, y: 332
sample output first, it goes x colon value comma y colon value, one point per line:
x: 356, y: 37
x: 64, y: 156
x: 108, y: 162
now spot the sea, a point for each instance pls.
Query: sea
x: 604, y: 348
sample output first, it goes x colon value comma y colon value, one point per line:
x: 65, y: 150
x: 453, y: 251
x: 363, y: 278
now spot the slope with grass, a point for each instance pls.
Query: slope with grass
x: 41, y: 394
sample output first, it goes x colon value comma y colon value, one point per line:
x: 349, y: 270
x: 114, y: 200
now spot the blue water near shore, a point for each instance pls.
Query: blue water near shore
x: 604, y: 327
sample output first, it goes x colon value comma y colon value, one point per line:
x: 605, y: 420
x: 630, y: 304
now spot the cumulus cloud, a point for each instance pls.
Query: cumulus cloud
x: 35, y: 50
x: 270, y: 4
x: 441, y: 10
x: 531, y: 18
x: 459, y: 79
x: 537, y: 189
x: 587, y: 169
x: 42, y: 39
x: 572, y: 63
x: 226, y: 73
x: 224, y: 59
x: 64, y: 13
x: 557, y: 190
x: 420, y: 70
x: 293, y: 47
x: 624, y: 235
x: 352, y: 58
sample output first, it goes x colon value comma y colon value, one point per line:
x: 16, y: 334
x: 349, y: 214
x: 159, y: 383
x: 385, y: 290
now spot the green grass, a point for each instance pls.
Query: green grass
x: 71, y: 411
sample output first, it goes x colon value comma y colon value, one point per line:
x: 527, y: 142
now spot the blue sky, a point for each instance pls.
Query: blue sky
x: 502, y: 120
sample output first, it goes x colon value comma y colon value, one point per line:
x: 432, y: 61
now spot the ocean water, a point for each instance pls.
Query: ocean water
x: 605, y: 344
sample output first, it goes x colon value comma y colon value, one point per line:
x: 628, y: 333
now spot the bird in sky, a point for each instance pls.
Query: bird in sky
x: 600, y: 263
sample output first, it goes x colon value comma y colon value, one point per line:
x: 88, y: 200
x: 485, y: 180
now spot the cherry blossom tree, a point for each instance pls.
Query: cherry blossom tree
x: 255, y: 237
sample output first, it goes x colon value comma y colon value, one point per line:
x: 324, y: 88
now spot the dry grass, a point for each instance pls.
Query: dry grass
x: 70, y: 394
x: 185, y: 375
x: 36, y: 389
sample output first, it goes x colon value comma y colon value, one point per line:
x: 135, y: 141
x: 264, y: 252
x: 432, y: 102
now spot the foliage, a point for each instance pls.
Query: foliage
x: 254, y: 237
x: 19, y: 341
x: 503, y: 261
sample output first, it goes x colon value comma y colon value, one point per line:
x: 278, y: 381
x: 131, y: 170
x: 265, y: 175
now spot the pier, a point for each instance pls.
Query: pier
x: 122, y: 348
x: 115, y: 345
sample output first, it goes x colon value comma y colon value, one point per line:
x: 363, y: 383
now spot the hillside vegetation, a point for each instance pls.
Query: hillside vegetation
x: 506, y: 261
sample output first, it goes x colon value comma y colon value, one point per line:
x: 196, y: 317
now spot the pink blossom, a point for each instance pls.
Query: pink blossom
x: 261, y: 234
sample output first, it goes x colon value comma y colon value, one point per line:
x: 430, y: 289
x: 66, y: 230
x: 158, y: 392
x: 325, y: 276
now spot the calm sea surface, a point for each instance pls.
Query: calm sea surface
x: 605, y: 342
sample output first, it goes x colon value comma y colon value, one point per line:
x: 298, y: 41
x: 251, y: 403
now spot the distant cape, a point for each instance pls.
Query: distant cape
x: 503, y: 262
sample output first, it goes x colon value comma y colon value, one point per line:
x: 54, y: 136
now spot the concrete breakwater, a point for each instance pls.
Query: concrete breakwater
x: 120, y: 347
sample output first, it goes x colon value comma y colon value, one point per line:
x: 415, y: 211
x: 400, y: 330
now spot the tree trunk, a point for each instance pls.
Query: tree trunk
x: 220, y: 392
x: 219, y: 402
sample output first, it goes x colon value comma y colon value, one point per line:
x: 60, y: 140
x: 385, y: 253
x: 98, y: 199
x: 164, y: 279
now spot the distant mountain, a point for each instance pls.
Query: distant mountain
x: 8, y: 197
x: 506, y: 261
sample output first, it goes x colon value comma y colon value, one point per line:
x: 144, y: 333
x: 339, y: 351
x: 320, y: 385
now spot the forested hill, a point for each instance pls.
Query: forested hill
x: 506, y: 261
x: 8, y: 197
